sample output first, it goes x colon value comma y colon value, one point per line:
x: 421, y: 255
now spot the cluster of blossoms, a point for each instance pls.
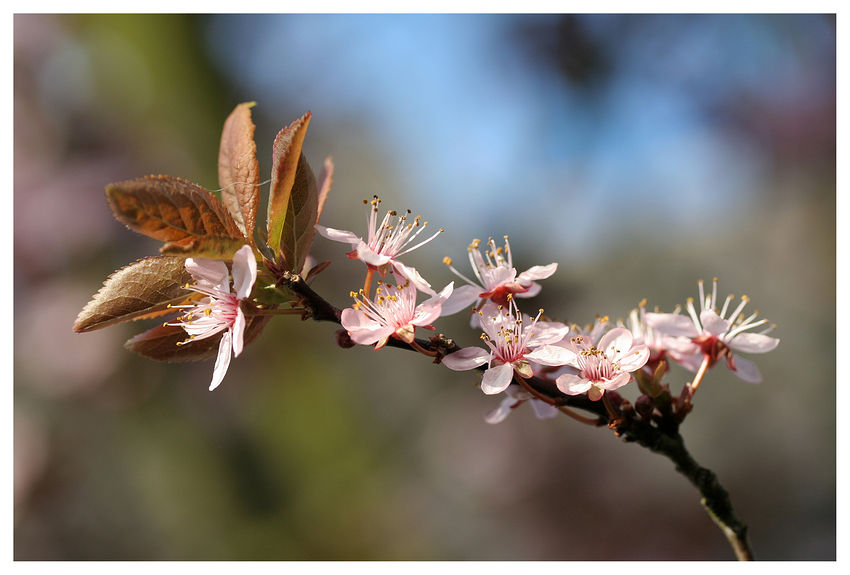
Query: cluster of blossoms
x: 517, y: 347
x: 591, y: 360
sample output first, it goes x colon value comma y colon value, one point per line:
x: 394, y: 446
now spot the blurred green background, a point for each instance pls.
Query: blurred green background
x: 641, y: 153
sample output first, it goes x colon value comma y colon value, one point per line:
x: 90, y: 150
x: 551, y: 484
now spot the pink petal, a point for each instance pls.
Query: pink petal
x: 368, y: 336
x: 353, y: 319
x: 713, y: 323
x: 543, y: 410
x: 636, y: 358
x: 551, y: 355
x: 498, y: 276
x: 411, y: 274
x: 536, y: 273
x: 497, y: 378
x: 428, y: 311
x: 209, y: 273
x: 753, y: 343
x: 363, y: 330
x: 222, y: 362
x: 238, y: 332
x: 672, y: 324
x: 461, y: 298
x: 572, y: 384
x: 546, y: 332
x: 366, y: 255
x: 616, y: 383
x: 531, y: 291
x: 244, y: 271
x: 744, y: 369
x: 499, y: 414
x: 466, y: 358
x: 690, y: 361
x: 338, y: 235
x: 616, y: 342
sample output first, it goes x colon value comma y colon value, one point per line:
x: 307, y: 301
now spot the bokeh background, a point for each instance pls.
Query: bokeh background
x: 642, y: 153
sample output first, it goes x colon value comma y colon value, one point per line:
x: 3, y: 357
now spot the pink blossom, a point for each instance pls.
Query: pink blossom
x: 497, y: 278
x: 385, y: 243
x: 219, y: 312
x: 512, y: 344
x: 393, y: 313
x: 661, y: 346
x: 604, y: 368
x: 716, y: 335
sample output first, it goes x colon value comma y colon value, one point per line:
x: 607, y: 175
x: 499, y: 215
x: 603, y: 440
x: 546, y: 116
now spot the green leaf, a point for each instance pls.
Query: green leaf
x: 140, y: 290
x: 170, y: 209
x: 209, y: 247
x: 286, y: 157
x: 238, y: 169
x: 161, y: 343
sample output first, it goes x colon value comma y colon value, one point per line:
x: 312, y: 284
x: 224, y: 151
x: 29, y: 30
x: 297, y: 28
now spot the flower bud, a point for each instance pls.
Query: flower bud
x: 342, y: 339
x: 644, y: 405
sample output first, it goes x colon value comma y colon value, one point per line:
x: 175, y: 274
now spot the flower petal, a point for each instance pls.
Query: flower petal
x: 413, y: 276
x: 612, y: 384
x: 672, y: 324
x: 238, y: 332
x: 616, y: 342
x: 543, y: 410
x: 461, y: 298
x: 367, y: 255
x: 497, y: 378
x: 572, y: 384
x: 338, y: 235
x: 208, y: 273
x: 466, y: 358
x: 362, y: 329
x: 753, y: 343
x: 497, y: 276
x: 367, y: 336
x: 744, y: 369
x: 222, y: 362
x: 713, y: 323
x: 430, y: 310
x: 353, y: 319
x: 636, y: 358
x: 500, y: 413
x: 536, y: 273
x: 530, y: 291
x: 551, y: 355
x: 244, y: 271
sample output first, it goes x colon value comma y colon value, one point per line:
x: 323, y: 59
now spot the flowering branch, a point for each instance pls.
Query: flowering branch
x: 219, y: 280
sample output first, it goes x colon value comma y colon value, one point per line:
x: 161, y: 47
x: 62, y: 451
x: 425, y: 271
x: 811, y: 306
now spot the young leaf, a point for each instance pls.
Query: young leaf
x: 141, y: 289
x: 170, y: 209
x: 238, y: 169
x: 161, y: 342
x: 209, y: 247
x: 286, y: 156
x: 299, y: 228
